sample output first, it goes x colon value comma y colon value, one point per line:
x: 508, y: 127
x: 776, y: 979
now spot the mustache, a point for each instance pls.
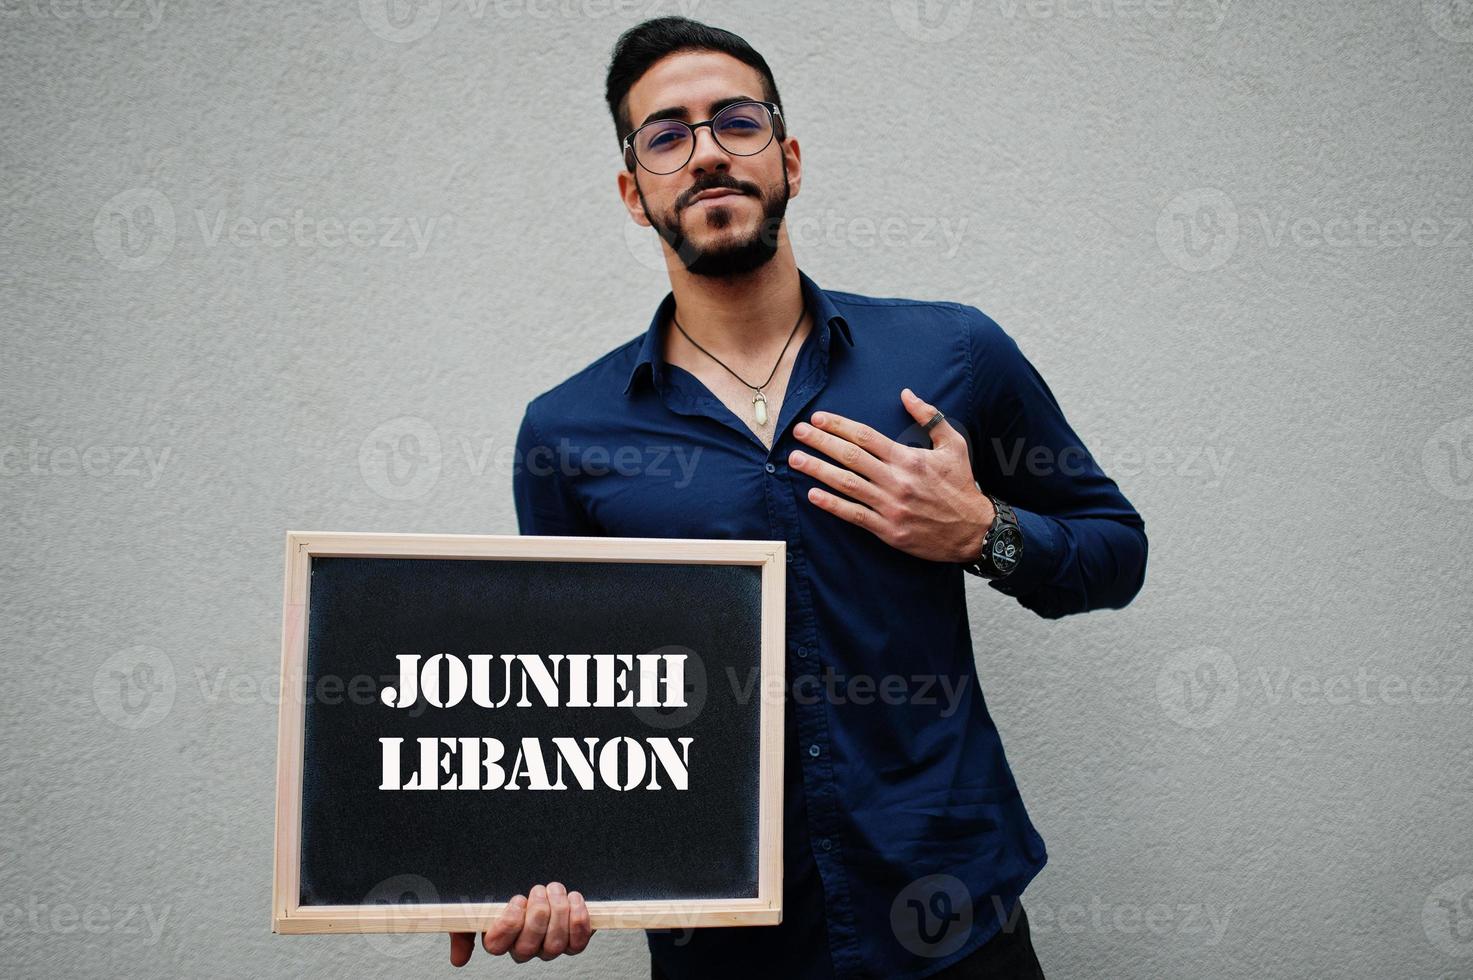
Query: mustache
x: 728, y: 183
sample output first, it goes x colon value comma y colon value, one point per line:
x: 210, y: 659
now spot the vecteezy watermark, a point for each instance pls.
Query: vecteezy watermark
x: 932, y: 916
x: 1364, y: 228
x: 931, y: 21
x: 1205, y: 463
x: 401, y: 458
x: 1447, y: 916
x: 1447, y: 459
x: 1199, y: 230
x: 1197, y: 688
x: 1200, y: 688
x: 137, y: 229
x: 406, y: 21
x: 244, y: 687
x: 147, y: 12
x: 1450, y: 19
x: 695, y: 687
x: 134, y: 688
x: 938, y: 21
x: 1108, y: 917
x: 1211, y: 12
x: 36, y: 459
x: 405, y: 889
x: 404, y: 457
x: 301, y: 230
x: 831, y: 686
x: 938, y: 234
x: 142, y: 923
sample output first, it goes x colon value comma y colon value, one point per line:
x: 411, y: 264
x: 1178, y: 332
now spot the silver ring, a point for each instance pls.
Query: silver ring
x: 934, y: 419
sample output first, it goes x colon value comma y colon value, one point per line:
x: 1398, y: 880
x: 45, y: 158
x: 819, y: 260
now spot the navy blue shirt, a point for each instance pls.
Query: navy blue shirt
x: 904, y: 836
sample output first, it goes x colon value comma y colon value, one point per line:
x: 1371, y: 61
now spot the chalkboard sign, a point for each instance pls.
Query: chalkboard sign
x: 466, y: 716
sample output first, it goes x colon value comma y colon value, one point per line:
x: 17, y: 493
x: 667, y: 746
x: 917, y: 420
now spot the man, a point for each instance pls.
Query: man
x: 895, y: 445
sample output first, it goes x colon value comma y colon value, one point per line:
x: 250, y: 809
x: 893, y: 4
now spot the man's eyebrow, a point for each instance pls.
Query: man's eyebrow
x: 680, y: 111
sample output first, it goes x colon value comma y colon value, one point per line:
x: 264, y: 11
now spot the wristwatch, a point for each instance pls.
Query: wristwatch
x: 1003, y: 545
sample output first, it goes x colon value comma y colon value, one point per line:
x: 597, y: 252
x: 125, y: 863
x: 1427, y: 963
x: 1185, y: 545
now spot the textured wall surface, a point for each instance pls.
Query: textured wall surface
x: 302, y: 265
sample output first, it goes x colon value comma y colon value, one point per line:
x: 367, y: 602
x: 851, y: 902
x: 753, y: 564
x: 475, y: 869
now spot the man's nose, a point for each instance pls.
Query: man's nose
x: 708, y: 154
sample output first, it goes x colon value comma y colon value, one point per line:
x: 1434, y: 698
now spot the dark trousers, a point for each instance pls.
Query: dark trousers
x: 1006, y: 956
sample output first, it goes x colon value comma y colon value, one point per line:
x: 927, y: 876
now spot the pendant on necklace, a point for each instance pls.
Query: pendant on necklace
x: 759, y: 408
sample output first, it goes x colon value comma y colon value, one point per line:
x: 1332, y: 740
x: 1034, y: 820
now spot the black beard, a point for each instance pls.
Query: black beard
x: 726, y: 261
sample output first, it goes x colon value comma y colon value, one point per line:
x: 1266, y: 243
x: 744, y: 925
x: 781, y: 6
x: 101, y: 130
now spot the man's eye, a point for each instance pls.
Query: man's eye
x: 662, y: 141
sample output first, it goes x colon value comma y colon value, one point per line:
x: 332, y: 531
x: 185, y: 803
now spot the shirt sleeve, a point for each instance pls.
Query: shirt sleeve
x: 545, y: 502
x: 1084, y: 545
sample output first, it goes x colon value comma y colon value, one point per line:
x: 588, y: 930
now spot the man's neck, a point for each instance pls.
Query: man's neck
x: 741, y: 319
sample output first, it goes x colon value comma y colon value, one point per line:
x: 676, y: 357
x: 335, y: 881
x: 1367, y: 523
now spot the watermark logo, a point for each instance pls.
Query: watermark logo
x: 695, y: 686
x: 932, y: 916
x: 401, y: 458
x: 134, y: 688
x: 150, y: 12
x: 135, y: 230
x: 1447, y: 916
x: 1197, y: 231
x: 143, y: 925
x: 1451, y: 19
x: 1447, y: 459
x: 1198, y: 688
x: 1212, y: 12
x: 1201, y: 921
x: 400, y: 943
x: 406, y: 21
x: 931, y: 21
x: 400, y: 21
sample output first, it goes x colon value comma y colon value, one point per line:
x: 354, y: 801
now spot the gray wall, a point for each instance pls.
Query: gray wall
x: 1234, y: 237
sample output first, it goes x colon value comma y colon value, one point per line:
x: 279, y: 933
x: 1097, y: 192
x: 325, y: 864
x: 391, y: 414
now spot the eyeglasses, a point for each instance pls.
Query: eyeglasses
x: 666, y: 145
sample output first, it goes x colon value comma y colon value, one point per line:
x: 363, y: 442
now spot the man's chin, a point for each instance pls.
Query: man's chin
x: 729, y: 260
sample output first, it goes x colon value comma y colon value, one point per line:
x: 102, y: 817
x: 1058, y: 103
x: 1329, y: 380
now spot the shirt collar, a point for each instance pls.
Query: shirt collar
x: 818, y: 301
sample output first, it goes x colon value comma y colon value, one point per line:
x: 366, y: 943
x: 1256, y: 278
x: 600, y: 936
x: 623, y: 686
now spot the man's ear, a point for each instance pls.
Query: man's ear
x: 793, y: 160
x: 629, y: 194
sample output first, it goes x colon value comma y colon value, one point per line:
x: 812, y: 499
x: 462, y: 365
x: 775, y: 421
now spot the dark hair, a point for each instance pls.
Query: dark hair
x: 644, y: 44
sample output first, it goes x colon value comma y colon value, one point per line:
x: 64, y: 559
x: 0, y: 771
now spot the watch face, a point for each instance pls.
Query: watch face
x: 1006, y: 549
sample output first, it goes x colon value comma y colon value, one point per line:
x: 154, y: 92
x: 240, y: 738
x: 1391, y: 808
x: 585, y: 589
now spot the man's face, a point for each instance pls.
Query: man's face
x: 717, y: 236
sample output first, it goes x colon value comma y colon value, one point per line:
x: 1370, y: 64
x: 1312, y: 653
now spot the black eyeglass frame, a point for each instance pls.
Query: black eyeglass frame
x: 775, y: 112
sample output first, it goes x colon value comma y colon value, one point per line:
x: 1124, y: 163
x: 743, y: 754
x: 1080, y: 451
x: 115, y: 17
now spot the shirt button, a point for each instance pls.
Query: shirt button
x: 813, y: 750
x: 790, y: 557
x: 770, y: 468
x: 826, y: 844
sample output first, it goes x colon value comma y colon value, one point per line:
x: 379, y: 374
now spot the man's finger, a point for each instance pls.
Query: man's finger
x: 529, y: 943
x: 845, y: 481
x: 507, y: 927
x: 556, y: 939
x: 857, y: 514
x: 579, y: 931
x: 923, y: 412
x: 462, y: 945
x: 849, y: 455
x: 876, y: 443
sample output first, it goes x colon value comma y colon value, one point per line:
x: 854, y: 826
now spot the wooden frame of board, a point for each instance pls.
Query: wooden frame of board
x: 289, y: 916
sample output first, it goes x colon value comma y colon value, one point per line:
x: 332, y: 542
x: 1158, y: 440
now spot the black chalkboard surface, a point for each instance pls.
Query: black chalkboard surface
x: 476, y: 714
